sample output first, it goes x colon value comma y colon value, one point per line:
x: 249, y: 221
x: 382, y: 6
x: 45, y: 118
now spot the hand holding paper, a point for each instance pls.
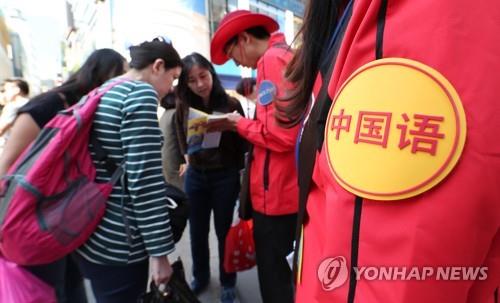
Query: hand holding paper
x: 224, y: 122
x: 198, y: 135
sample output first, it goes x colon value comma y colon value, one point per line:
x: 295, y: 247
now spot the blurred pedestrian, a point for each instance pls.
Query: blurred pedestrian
x: 171, y: 154
x: 247, y: 88
x: 15, y: 93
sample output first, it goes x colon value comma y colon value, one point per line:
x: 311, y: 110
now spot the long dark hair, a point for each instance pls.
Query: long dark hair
x: 320, y: 20
x: 100, y: 66
x: 218, y: 96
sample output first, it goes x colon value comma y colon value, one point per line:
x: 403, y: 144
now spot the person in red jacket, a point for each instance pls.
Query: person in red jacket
x: 398, y: 161
x: 251, y: 40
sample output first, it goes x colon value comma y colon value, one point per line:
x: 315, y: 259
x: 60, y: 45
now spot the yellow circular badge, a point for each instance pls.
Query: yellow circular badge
x: 396, y: 129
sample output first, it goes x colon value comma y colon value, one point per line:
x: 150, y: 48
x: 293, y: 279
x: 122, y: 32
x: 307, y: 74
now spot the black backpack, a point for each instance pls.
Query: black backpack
x: 179, y: 210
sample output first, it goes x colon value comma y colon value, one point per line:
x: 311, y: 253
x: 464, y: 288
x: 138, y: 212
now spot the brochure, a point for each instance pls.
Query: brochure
x: 197, y: 136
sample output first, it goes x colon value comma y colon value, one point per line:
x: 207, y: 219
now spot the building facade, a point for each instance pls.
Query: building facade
x: 189, y: 24
x: 5, y: 50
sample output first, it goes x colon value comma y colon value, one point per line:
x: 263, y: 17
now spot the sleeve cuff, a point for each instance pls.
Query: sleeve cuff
x: 242, y: 126
x: 162, y: 252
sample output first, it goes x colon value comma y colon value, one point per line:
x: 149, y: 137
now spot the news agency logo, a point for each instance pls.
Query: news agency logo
x: 333, y: 273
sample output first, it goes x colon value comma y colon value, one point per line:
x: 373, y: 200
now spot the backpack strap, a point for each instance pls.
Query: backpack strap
x: 116, y: 171
x: 101, y: 154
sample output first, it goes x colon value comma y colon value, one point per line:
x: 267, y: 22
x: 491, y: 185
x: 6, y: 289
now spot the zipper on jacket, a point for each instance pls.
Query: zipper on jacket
x: 495, y: 295
x: 266, y: 177
x: 359, y: 201
x: 266, y: 170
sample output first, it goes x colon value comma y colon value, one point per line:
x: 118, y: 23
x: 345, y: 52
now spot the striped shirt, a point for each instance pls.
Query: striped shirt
x: 126, y: 125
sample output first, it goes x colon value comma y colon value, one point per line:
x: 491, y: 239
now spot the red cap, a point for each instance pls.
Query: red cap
x: 234, y: 23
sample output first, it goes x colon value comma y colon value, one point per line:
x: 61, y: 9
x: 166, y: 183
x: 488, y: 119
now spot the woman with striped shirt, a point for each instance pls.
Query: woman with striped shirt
x: 135, y: 226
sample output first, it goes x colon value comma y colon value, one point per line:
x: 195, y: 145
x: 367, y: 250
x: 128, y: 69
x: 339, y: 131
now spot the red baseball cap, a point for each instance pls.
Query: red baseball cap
x: 234, y: 23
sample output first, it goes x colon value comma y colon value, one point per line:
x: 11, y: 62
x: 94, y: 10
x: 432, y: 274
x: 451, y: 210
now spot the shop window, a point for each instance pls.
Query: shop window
x: 217, y: 9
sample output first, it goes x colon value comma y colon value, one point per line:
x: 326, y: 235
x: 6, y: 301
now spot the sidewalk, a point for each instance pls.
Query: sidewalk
x: 247, y: 286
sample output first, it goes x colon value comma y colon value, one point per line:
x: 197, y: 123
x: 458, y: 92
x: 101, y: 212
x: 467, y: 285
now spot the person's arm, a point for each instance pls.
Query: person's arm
x: 265, y: 131
x: 23, y: 132
x: 268, y: 134
x: 141, y: 141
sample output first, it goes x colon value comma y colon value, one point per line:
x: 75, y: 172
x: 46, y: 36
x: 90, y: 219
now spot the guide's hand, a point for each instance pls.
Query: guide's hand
x: 227, y: 123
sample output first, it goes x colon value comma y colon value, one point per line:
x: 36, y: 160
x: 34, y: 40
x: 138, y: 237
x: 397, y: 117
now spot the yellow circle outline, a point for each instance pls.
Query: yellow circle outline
x: 454, y: 153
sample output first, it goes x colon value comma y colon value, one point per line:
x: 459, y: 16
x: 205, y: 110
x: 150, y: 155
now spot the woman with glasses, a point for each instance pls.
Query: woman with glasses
x: 135, y: 233
x: 212, y: 180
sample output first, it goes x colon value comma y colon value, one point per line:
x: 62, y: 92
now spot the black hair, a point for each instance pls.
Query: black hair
x: 147, y: 52
x: 258, y: 32
x: 245, y: 86
x: 218, y: 96
x: 100, y: 66
x: 319, y: 22
x: 21, y: 84
x: 168, y: 101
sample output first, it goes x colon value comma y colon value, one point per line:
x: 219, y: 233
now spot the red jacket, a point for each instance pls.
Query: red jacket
x: 273, y: 172
x: 456, y: 223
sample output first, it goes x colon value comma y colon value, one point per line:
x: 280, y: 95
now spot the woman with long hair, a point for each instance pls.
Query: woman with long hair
x: 212, y: 179
x: 100, y: 66
x: 398, y: 118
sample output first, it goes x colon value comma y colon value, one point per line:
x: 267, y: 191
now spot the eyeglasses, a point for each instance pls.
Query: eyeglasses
x: 230, y: 46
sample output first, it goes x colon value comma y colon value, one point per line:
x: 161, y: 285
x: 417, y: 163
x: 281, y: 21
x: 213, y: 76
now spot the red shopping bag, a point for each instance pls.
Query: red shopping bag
x: 239, y: 252
x: 20, y: 286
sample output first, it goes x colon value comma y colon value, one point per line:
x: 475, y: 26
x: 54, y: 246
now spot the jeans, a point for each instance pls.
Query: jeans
x: 217, y: 191
x: 65, y: 277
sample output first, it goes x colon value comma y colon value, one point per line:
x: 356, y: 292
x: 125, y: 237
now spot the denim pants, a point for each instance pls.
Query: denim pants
x: 217, y: 191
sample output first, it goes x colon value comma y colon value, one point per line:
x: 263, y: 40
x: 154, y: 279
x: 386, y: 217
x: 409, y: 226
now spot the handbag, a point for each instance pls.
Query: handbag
x: 176, y: 291
x: 179, y: 210
x: 239, y: 249
x: 20, y: 286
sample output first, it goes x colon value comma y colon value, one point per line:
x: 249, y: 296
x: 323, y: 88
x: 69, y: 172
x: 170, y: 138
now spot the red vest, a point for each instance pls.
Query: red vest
x: 456, y: 223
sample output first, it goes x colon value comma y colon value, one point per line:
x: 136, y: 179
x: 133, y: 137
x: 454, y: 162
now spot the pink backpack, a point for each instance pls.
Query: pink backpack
x: 51, y: 203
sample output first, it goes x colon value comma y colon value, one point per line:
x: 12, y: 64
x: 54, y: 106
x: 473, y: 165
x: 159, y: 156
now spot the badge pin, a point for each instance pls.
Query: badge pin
x: 267, y: 92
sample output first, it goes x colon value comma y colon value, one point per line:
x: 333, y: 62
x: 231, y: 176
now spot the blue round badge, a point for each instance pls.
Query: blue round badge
x: 267, y: 92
